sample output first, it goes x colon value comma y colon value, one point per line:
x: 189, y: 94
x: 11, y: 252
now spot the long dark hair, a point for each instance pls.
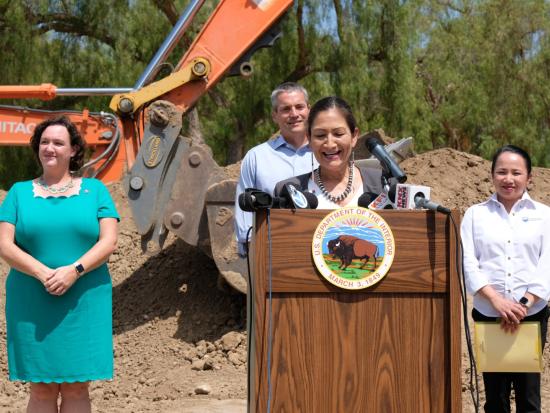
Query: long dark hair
x: 76, y: 140
x: 332, y: 102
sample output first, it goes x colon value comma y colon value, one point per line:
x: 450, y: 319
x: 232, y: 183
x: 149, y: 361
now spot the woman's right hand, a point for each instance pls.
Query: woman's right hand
x: 510, y: 312
x: 43, y: 274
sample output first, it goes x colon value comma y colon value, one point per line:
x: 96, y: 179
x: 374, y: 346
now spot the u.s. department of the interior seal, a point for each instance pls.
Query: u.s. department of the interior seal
x: 353, y: 248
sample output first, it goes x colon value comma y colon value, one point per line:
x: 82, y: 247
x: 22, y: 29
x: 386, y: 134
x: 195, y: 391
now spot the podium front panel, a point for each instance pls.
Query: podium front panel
x: 393, y: 347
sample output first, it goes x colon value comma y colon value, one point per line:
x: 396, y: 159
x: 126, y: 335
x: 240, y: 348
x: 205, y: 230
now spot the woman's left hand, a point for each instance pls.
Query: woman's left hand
x: 61, y: 280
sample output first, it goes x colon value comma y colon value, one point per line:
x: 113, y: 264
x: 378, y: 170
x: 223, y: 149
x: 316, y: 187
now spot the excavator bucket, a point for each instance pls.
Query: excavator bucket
x: 201, y: 211
x: 220, y: 200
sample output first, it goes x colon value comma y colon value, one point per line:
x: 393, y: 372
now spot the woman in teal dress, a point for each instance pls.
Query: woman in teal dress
x: 56, y: 233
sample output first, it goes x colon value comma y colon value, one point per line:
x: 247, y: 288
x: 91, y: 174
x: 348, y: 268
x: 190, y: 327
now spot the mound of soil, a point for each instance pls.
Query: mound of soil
x: 459, y: 179
x: 180, y: 342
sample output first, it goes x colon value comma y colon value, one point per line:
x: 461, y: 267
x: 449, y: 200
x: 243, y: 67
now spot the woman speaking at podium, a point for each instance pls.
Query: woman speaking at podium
x: 332, y: 133
x: 506, y: 242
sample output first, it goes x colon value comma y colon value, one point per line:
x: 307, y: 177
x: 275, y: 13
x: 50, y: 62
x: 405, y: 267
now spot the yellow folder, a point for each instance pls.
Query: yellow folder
x: 500, y: 351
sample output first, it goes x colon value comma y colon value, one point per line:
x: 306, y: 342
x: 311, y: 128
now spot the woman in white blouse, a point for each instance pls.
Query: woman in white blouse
x: 506, y: 242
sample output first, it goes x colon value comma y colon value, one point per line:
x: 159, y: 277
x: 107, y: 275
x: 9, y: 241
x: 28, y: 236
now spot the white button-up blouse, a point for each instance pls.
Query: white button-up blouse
x: 509, y: 251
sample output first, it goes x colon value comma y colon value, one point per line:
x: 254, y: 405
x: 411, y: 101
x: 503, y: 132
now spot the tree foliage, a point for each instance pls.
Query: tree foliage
x: 469, y: 74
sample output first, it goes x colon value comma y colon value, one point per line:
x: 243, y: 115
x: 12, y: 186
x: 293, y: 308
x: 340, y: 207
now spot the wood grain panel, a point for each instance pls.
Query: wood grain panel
x: 421, y: 256
x: 393, y: 348
x: 354, y: 353
x: 454, y: 310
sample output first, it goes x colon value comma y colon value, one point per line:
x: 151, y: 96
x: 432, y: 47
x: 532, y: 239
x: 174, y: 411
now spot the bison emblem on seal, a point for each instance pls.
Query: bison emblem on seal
x: 348, y: 248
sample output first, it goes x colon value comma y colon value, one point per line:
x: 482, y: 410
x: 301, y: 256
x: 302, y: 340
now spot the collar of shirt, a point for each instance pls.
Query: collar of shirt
x: 280, y: 141
x: 523, y: 201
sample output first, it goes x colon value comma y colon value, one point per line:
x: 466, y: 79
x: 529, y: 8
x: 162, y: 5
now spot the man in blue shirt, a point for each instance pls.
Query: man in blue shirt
x: 277, y: 159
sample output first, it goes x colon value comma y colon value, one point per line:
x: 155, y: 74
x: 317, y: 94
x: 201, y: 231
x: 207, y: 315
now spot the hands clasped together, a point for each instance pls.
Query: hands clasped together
x: 511, y: 313
x: 58, y: 281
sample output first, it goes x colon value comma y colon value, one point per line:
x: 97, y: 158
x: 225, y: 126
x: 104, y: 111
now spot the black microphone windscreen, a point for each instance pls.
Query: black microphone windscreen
x: 365, y: 199
x: 312, y: 200
x: 245, y: 202
x: 252, y: 199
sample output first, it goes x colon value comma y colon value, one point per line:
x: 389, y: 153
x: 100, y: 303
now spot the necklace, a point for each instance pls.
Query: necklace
x: 324, y: 191
x: 55, y: 190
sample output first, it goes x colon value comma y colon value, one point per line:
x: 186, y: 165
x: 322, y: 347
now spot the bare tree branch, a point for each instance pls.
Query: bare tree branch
x: 218, y: 97
x: 66, y: 23
x: 169, y: 9
x: 373, y: 56
x: 3, y: 10
x: 339, y: 19
x: 303, y: 65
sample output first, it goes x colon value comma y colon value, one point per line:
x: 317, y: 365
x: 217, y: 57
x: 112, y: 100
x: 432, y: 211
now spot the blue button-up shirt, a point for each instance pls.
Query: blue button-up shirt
x: 262, y: 167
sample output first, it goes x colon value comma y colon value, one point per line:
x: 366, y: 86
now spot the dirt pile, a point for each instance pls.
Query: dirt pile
x: 178, y: 338
x: 459, y: 179
x: 180, y: 343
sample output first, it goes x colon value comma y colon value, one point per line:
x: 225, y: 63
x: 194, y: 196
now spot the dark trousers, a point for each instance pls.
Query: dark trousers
x: 498, y: 386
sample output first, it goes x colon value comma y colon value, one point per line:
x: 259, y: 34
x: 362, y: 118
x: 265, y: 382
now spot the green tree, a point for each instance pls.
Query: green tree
x: 469, y: 74
x: 484, y: 67
x: 74, y: 44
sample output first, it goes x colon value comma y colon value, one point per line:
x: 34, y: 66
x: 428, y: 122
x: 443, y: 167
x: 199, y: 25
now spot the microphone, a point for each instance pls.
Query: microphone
x: 312, y: 200
x: 422, y: 202
x: 404, y: 195
x: 366, y: 198
x: 416, y: 197
x: 382, y: 201
x: 252, y: 199
x: 375, y: 145
x: 292, y: 198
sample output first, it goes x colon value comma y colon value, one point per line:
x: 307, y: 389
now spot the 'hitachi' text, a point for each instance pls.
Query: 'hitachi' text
x: 16, y: 127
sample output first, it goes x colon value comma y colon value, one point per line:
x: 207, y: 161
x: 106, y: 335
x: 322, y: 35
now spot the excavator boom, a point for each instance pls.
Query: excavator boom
x: 233, y: 30
x: 175, y: 184
x: 172, y: 183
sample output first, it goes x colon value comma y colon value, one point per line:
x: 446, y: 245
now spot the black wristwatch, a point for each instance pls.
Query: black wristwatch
x: 80, y: 268
x: 524, y: 301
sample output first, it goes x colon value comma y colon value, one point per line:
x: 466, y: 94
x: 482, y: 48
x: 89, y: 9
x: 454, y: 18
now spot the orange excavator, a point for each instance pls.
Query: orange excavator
x: 173, y: 184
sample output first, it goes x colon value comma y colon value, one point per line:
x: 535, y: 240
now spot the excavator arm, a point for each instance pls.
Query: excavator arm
x: 233, y: 29
x: 173, y: 183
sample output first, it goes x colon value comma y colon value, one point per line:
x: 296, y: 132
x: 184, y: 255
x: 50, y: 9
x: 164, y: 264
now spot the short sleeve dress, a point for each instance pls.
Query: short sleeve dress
x: 65, y: 338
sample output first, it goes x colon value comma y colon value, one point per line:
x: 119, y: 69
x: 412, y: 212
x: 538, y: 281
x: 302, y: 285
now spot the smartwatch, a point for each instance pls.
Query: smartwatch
x: 524, y: 301
x: 80, y: 269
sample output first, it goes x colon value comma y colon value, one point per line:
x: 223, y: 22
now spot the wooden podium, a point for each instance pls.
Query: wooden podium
x: 394, y: 347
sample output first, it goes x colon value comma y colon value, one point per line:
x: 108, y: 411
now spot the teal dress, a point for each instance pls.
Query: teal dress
x: 65, y: 338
